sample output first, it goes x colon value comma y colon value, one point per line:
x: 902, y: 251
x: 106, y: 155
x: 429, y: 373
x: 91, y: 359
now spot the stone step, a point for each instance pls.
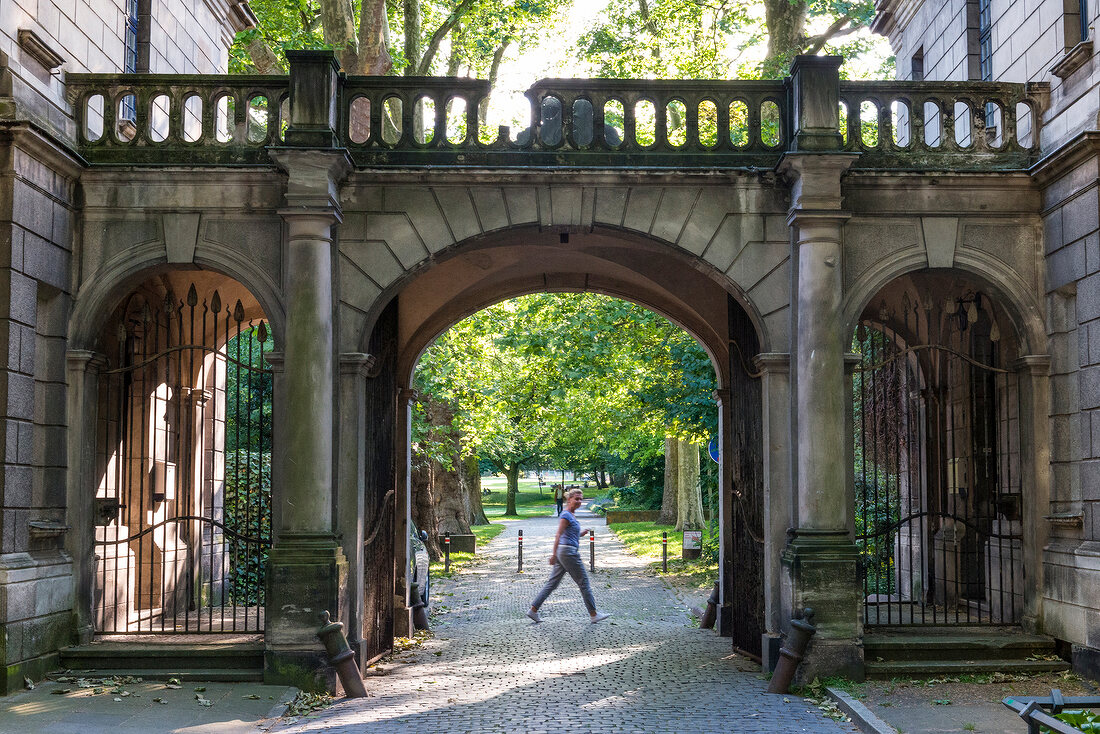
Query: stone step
x: 114, y: 656
x: 228, y: 675
x: 960, y: 645
x: 927, y: 668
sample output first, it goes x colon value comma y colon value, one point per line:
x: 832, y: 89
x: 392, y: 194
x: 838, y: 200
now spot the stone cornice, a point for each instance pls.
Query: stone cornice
x: 313, y: 176
x: 1036, y: 364
x: 814, y: 179
x: 773, y: 362
x: 1067, y: 157
x: 43, y: 147
x: 357, y: 363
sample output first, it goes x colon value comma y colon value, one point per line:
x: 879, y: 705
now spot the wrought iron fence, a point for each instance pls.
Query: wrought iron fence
x: 936, y: 480
x: 183, y: 522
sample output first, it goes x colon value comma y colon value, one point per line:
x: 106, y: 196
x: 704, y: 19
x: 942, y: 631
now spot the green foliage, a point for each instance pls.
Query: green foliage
x: 248, y: 514
x: 570, y: 380
x: 248, y: 390
x: 1084, y: 720
x: 284, y: 24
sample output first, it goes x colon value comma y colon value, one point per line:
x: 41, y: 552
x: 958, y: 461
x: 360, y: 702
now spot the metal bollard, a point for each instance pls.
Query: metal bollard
x: 341, y: 657
x: 446, y: 553
x: 592, y: 550
x: 520, y: 568
x: 664, y: 552
x: 791, y: 654
x: 711, y: 613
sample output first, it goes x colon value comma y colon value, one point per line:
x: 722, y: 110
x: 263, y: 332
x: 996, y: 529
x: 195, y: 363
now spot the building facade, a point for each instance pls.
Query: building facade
x: 217, y: 288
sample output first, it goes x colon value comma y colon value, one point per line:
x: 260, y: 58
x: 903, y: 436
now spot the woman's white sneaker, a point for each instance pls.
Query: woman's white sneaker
x: 600, y: 616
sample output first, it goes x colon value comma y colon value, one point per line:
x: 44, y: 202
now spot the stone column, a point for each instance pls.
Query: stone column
x: 821, y: 554
x: 775, y: 390
x: 724, y: 622
x: 307, y: 569
x: 351, y: 468
x: 402, y: 604
x: 1033, y: 374
x: 83, y: 404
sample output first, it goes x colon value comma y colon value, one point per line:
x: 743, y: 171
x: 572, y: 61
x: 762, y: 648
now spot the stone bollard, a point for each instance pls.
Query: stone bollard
x: 341, y: 657
x: 791, y: 654
x: 707, y: 622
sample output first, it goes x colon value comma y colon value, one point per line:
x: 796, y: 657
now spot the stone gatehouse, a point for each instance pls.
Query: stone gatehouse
x: 171, y: 237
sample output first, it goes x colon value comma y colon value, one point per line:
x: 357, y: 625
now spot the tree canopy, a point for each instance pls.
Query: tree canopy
x: 572, y: 380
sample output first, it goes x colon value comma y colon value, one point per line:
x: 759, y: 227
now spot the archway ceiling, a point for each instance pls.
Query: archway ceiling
x: 478, y: 276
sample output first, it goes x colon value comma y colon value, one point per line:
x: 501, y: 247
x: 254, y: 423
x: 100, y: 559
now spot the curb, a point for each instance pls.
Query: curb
x: 861, y: 715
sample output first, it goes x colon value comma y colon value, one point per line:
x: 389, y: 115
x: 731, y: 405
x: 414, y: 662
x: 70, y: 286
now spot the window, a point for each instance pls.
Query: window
x: 130, y: 63
x: 1083, y: 20
x: 916, y: 67
x: 985, y: 41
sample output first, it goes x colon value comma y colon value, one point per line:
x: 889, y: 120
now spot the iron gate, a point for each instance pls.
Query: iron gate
x: 183, y: 501
x: 747, y: 467
x: 937, y: 488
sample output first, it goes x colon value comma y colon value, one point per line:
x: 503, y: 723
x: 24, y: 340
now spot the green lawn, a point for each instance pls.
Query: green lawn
x: 529, y: 503
x: 644, y: 540
x: 483, y: 533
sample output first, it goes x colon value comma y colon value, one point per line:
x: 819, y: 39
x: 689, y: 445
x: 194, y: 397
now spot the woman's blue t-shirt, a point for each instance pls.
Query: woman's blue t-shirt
x: 572, y: 533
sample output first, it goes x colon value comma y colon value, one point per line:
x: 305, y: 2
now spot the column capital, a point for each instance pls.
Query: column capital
x: 814, y: 179
x: 721, y: 396
x: 1038, y: 365
x: 357, y: 363
x: 85, y: 360
x: 852, y: 360
x: 313, y: 179
x: 275, y: 359
x: 773, y: 362
x: 407, y: 394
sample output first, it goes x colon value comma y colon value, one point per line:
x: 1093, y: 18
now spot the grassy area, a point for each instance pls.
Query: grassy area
x: 483, y: 533
x: 644, y: 539
x: 529, y: 503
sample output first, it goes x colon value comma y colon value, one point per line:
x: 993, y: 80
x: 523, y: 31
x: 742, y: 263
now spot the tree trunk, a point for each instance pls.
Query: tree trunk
x: 785, y: 20
x: 374, y: 56
x: 668, y: 514
x: 423, y: 504
x: 412, y: 35
x: 689, y: 506
x: 471, y: 480
x: 511, y: 473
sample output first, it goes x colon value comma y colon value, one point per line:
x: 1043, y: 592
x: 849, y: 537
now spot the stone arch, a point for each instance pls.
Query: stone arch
x: 949, y: 357
x: 168, y: 504
x: 113, y: 281
x: 440, y: 290
x: 1005, y: 283
x: 598, y: 261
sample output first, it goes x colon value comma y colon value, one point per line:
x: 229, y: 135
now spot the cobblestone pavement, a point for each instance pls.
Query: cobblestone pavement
x: 489, y: 669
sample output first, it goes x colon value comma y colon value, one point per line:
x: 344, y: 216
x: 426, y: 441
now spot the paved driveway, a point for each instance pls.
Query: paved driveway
x: 489, y: 669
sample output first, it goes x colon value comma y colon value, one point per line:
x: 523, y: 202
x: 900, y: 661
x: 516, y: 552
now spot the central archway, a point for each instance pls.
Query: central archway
x: 478, y: 273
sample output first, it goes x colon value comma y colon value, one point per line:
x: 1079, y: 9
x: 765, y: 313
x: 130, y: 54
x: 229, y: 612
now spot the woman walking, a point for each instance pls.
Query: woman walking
x: 566, y: 558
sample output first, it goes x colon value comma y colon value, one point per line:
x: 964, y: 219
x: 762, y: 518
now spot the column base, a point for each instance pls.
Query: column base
x: 824, y: 567
x: 307, y: 575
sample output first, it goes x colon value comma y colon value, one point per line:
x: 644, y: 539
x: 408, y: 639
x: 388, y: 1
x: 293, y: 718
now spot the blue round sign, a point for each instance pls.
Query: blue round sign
x: 712, y: 449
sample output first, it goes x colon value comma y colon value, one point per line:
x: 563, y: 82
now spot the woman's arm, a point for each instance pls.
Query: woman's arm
x: 562, y: 525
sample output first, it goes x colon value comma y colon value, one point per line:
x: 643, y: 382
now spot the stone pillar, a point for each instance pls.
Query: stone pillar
x: 775, y: 390
x: 821, y: 554
x: 307, y: 569
x: 724, y: 622
x: 1033, y: 373
x: 83, y: 405
x: 351, y: 477
x: 402, y: 604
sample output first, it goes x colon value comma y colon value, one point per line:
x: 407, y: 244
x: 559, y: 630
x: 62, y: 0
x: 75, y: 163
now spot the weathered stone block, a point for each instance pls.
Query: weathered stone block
x: 1088, y: 298
x: 641, y: 209
x: 18, y: 392
x: 399, y: 234
x: 1052, y: 231
x: 1089, y: 387
x: 672, y: 214
x: 459, y: 211
x: 423, y: 212
x: 373, y: 259
x: 567, y: 207
x: 703, y: 222
x: 611, y: 205
x: 491, y: 208
x: 1066, y: 265
x: 523, y: 205
x: 46, y: 261
x: 31, y: 209
x: 1079, y: 216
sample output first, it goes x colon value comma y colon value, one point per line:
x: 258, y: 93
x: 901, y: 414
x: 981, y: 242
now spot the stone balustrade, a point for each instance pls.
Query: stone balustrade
x: 585, y: 123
